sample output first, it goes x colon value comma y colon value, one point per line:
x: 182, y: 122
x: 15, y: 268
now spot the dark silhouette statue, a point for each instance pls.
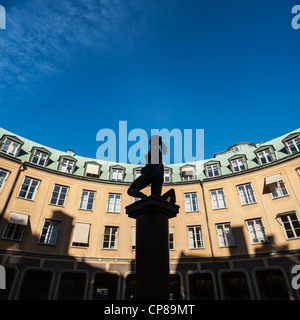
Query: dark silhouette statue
x: 152, y: 173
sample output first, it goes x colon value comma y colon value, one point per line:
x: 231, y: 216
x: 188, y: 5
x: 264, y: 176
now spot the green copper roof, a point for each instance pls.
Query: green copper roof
x: 247, y: 149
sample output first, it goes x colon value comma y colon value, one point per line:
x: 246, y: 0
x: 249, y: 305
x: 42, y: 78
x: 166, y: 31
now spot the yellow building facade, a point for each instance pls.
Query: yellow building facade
x: 64, y: 233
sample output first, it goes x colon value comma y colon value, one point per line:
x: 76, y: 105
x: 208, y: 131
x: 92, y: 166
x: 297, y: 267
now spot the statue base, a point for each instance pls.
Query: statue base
x: 152, y: 216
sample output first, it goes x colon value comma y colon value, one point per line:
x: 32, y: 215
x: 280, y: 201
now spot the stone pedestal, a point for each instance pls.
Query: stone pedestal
x: 152, y: 246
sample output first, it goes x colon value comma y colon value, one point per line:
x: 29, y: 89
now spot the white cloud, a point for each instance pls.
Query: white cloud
x: 43, y: 38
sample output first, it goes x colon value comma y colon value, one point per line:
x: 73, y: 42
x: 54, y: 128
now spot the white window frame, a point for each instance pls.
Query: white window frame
x: 225, y: 235
x: 191, y: 206
x: 3, y: 177
x: 110, y: 235
x: 212, y: 170
x: 167, y: 175
x: 12, y: 148
x: 188, y: 177
x: 292, y: 144
x: 42, y: 156
x: 114, y: 207
x: 291, y: 225
x: 28, y: 190
x: 257, y: 233
x: 244, y: 195
x: 88, y: 199
x: 217, y: 197
x: 133, y: 238
x: 137, y: 173
x: 51, y: 232
x: 278, y: 189
x: 68, y: 164
x: 116, y: 174
x: 265, y: 154
x: 195, y: 237
x: 59, y: 195
x: 238, y: 163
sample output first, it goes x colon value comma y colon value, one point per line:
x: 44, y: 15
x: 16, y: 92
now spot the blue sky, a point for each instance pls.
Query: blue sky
x: 69, y: 68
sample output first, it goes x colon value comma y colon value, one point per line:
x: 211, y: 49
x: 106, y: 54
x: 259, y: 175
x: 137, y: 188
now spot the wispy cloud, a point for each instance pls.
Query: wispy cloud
x: 43, y: 38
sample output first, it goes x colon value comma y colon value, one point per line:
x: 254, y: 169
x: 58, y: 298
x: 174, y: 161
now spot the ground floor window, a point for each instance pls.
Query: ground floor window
x: 130, y: 287
x: 105, y: 287
x: 235, y: 286
x: 9, y: 275
x: 72, y: 286
x: 36, y: 285
x: 201, y: 286
x: 175, y: 292
x: 271, y: 285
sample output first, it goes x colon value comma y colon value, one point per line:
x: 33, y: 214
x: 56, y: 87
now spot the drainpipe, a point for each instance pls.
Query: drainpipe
x: 210, y: 243
x: 21, y: 168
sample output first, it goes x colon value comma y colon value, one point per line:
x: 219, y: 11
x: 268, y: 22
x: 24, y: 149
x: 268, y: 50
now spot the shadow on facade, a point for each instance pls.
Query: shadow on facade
x: 242, y: 275
x: 37, y: 271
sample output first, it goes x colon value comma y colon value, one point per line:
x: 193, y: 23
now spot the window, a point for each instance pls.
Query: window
x: 13, y: 231
x: 291, y: 225
x: 225, y: 235
x: 265, y: 155
x: 191, y: 202
x: 238, y: 164
x: 72, y: 286
x: 10, y: 147
x: 133, y: 238
x: 187, y: 173
x: 116, y: 174
x: 87, y: 200
x: 67, y: 165
x: 137, y: 173
x: 293, y: 145
x: 92, y: 169
x: 212, y: 170
x: 271, y: 285
x: 15, y: 226
x: 49, y: 232
x: 114, y: 202
x: 171, y: 238
x: 278, y: 189
x: 246, y: 194
x: 39, y: 157
x: 81, y: 235
x: 195, y: 237
x: 201, y: 286
x: 110, y: 238
x: 235, y: 286
x: 167, y: 175
x: 59, y: 195
x: 257, y: 231
x: 29, y: 188
x: 218, y: 199
x: 3, y: 177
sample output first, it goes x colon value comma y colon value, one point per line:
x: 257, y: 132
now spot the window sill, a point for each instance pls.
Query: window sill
x: 280, y: 197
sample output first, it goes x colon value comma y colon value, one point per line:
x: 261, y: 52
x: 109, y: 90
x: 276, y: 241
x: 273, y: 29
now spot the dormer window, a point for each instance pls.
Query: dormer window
x: 292, y: 143
x: 238, y: 163
x: 11, y: 145
x: 265, y: 154
x: 167, y: 175
x: 117, y: 173
x: 40, y: 156
x: 67, y: 164
x: 187, y: 172
x: 137, y: 172
x: 212, y: 169
x: 92, y: 169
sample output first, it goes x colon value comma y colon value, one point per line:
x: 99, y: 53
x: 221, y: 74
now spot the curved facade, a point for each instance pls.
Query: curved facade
x: 64, y: 233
